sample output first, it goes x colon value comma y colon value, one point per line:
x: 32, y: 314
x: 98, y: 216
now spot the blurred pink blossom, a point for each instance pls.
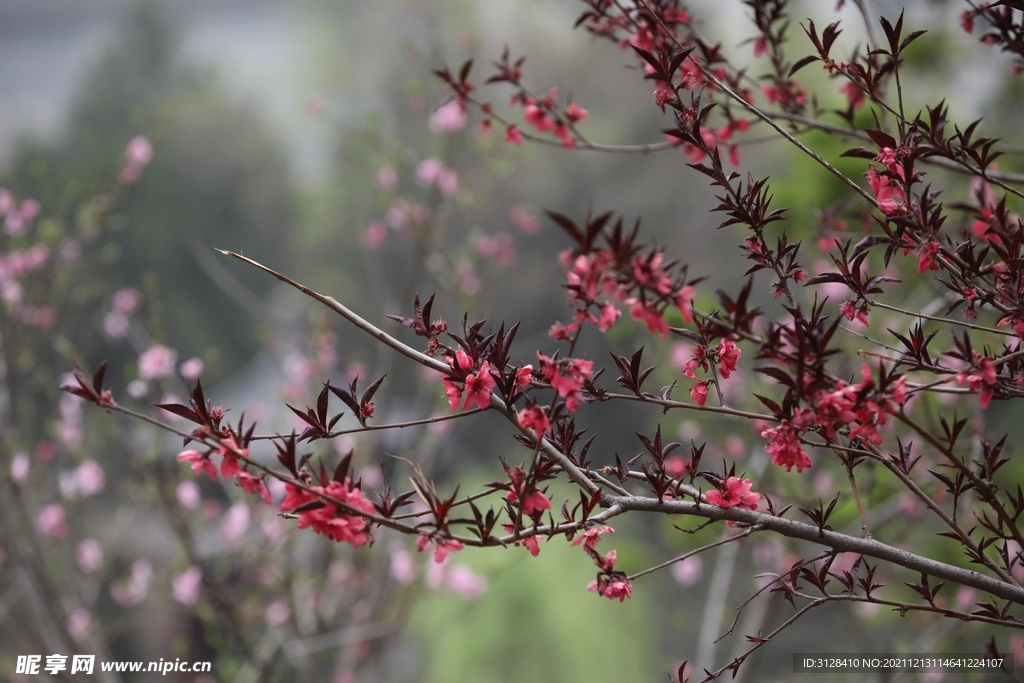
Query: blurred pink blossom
x: 79, y: 623
x: 192, y: 368
x: 135, y: 588
x: 19, y: 466
x: 51, y: 521
x: 448, y: 118
x: 464, y: 581
x: 188, y: 494
x: 387, y: 177
x: 429, y: 171
x: 157, y: 362
x: 277, y: 613
x: 403, y: 567
x: 115, y: 325
x: 136, y: 157
x: 186, y: 585
x: 6, y: 201
x: 448, y: 182
x: 234, y: 524
x: 89, y: 555
x: 126, y: 300
x: 521, y: 217
x: 91, y: 479
x: 376, y: 234
x: 689, y: 571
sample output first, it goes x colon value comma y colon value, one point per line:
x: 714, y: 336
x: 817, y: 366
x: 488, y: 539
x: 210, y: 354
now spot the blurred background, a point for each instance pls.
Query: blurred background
x: 313, y: 137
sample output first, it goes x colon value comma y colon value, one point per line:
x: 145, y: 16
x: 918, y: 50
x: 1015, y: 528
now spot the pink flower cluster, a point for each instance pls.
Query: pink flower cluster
x: 532, y: 501
x: 477, y: 385
x: 331, y: 518
x: 541, y: 114
x: 17, y: 216
x: 567, y: 377
x: 734, y: 492
x: 979, y: 378
x: 727, y: 354
x: 136, y: 157
x: 862, y: 407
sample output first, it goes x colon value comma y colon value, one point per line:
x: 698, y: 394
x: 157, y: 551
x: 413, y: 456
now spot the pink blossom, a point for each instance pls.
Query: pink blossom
x: 136, y: 157
x: 575, y: 112
x: 445, y: 548
x: 524, y: 376
x: 736, y: 492
x: 761, y: 47
x: 188, y: 495
x: 688, y: 571
x: 928, y: 251
x: 277, y: 613
x: 728, y: 354
x: 685, y: 303
x: 329, y: 520
x: 535, y: 418
x: 115, y: 325
x: 609, y: 314
x: 513, y: 135
x: 89, y: 555
x: 78, y: 624
x: 135, y: 589
x: 192, y: 368
x: 536, y: 117
x: 234, y: 524
x: 185, y: 586
x: 19, y: 467
x: 376, y: 234
x: 387, y: 177
x: 640, y: 310
x: 448, y: 118
x: 200, y: 462
x: 478, y: 388
x: 785, y: 448
x: 527, y: 223
x: 461, y: 579
x: 613, y: 589
x: 429, y: 170
x: 591, y: 536
x: 157, y: 362
x: 448, y: 182
x: 699, y: 393
x: 51, y: 521
x: 90, y: 478
x: 403, y: 569
x: 126, y: 300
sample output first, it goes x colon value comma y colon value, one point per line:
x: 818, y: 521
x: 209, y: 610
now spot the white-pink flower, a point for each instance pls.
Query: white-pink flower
x: 387, y: 177
x: 126, y: 300
x: 90, y: 478
x: 79, y: 623
x: 234, y: 524
x: 192, y: 368
x: 403, y: 567
x: 429, y: 170
x: 464, y: 581
x: 448, y: 182
x: 19, y: 467
x: 185, y: 586
x: 157, y: 362
x: 188, y: 494
x: 51, y: 521
x: 89, y: 555
x: 448, y: 118
x: 277, y: 613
